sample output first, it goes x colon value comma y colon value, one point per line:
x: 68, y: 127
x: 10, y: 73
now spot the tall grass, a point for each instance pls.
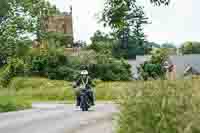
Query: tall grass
x: 160, y: 107
x: 42, y: 89
x: 10, y: 103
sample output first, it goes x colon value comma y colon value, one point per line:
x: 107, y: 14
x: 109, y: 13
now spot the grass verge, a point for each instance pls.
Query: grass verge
x: 10, y: 103
x: 160, y: 107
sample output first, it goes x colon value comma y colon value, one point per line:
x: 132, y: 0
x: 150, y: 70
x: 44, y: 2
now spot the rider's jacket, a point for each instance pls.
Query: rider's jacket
x: 83, y: 82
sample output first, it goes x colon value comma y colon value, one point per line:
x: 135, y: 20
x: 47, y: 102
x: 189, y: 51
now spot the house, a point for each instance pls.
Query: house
x: 183, y: 66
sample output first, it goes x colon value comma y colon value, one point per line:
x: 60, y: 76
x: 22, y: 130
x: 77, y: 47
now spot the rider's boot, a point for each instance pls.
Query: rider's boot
x: 78, y: 100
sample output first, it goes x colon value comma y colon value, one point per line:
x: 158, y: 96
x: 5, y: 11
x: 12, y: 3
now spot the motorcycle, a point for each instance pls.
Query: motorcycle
x: 85, y: 102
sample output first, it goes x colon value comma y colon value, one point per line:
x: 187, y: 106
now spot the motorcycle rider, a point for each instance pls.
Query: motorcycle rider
x: 84, y: 81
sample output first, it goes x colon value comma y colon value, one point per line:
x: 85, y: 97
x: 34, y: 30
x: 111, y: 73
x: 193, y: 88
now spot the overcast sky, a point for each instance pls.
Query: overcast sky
x: 176, y: 23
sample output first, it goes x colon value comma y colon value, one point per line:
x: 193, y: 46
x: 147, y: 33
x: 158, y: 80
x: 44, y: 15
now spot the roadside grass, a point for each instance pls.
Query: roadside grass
x: 11, y: 103
x: 160, y: 107
x: 42, y: 89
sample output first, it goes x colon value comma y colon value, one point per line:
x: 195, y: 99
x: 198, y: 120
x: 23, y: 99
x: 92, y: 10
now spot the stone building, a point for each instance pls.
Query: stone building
x: 62, y: 24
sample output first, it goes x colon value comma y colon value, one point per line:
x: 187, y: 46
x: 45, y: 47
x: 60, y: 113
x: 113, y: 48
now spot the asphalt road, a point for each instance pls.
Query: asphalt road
x: 59, y: 118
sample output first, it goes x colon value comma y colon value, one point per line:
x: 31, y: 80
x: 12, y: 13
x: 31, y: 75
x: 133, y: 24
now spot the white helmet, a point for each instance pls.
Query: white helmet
x: 84, y: 72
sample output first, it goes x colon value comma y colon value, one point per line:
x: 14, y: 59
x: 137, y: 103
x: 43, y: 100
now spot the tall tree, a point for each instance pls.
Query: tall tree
x: 190, y: 48
x: 168, y: 45
x: 39, y: 10
x: 126, y: 18
x: 121, y: 14
x: 18, y: 20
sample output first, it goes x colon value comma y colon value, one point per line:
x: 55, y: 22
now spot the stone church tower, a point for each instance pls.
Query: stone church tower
x: 62, y: 23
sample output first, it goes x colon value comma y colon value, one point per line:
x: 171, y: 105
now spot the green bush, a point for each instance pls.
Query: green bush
x: 52, y: 63
x: 160, y: 107
x: 151, y: 71
x: 108, y: 68
x: 10, y: 103
x: 14, y: 67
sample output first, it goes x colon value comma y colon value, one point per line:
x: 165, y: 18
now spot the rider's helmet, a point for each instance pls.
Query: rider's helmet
x: 84, y: 72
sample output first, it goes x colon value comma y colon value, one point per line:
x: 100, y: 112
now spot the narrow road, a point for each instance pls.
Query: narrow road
x: 59, y: 118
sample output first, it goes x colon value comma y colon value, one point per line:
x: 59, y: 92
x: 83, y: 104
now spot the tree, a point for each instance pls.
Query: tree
x: 168, y: 45
x: 100, y: 37
x: 39, y: 10
x: 125, y: 17
x: 4, y: 7
x: 154, y: 45
x: 13, y: 31
x: 154, y: 67
x: 19, y: 19
x: 190, y: 48
x: 102, y: 42
x: 159, y: 56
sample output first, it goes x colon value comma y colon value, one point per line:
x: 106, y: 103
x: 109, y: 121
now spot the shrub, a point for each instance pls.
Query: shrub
x: 160, y: 107
x: 102, y: 66
x: 54, y: 64
x: 14, y: 67
x: 151, y: 71
x: 110, y: 69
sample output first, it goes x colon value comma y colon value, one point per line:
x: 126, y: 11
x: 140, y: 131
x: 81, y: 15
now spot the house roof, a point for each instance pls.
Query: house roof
x: 183, y: 61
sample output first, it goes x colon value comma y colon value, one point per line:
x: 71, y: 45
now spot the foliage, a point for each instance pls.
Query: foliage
x: 14, y: 67
x: 101, y: 42
x: 102, y: 65
x: 133, y: 49
x: 57, y: 39
x: 159, y: 56
x: 54, y: 64
x: 101, y: 37
x: 101, y: 46
x: 4, y: 7
x: 154, y: 68
x: 126, y: 18
x: 51, y: 63
x: 10, y: 103
x: 168, y: 45
x: 38, y: 10
x: 151, y: 71
x: 80, y: 44
x: 190, y: 48
x: 12, y: 31
x: 113, y: 70
x: 154, y: 45
x: 160, y: 107
x: 21, y: 19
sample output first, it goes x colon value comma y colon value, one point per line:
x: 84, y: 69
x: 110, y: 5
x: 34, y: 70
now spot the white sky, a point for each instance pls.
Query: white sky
x: 176, y: 23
